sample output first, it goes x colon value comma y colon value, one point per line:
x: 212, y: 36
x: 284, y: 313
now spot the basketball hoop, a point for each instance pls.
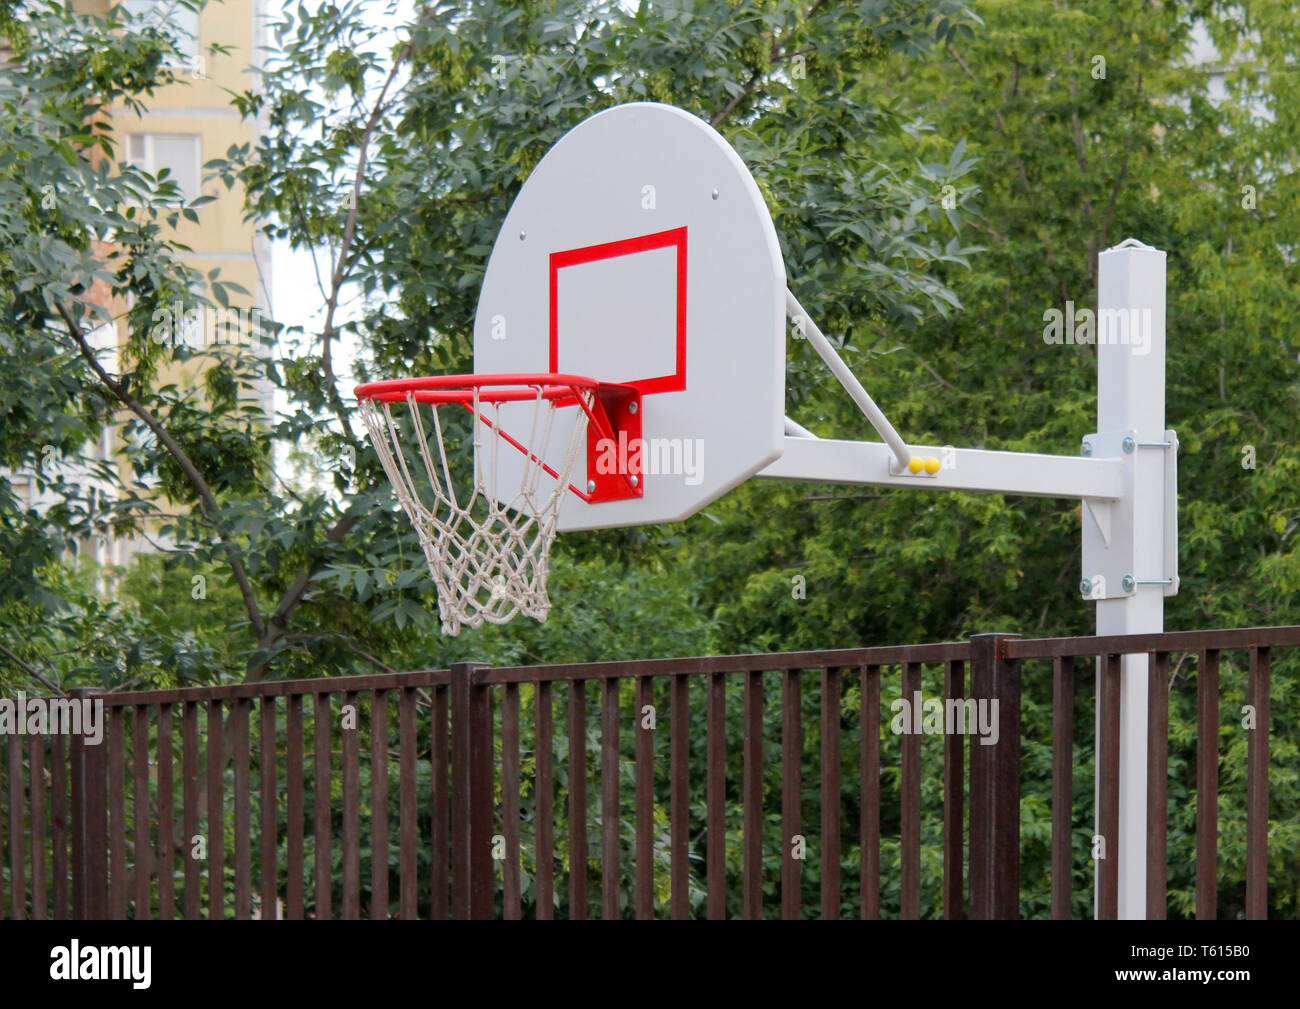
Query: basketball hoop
x: 488, y: 546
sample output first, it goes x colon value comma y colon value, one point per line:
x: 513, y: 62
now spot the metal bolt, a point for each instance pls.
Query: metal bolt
x: 523, y: 235
x: 715, y: 194
x: 1129, y: 583
x: 632, y: 407
x: 1085, y: 586
x: 1086, y: 449
x: 634, y: 480
x: 591, y: 486
x: 1129, y: 444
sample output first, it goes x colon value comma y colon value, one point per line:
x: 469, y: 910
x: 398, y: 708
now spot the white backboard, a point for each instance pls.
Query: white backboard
x: 640, y: 251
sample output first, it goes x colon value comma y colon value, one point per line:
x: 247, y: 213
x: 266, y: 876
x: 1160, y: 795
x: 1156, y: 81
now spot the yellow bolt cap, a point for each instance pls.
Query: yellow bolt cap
x: 916, y: 465
x: 932, y: 465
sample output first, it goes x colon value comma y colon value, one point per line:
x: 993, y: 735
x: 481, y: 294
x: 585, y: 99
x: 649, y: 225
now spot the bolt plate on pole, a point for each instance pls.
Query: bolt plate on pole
x: 1113, y: 565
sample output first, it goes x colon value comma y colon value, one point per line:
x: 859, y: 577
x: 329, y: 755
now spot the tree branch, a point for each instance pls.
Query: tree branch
x: 1002, y: 124
x: 740, y: 96
x: 776, y: 52
x: 294, y: 593
x: 29, y: 670
x: 207, y: 500
x: 338, y: 639
x: 342, y: 259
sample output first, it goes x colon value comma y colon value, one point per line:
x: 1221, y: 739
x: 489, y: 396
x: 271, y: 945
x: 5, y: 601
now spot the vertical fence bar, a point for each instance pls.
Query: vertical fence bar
x: 440, y: 798
x: 910, y: 798
x: 1257, y: 748
x: 408, y: 829
x: 270, y: 841
x: 1062, y: 784
x: 59, y: 826
x: 645, y: 771
x: 511, y: 882
x: 379, y: 804
x: 545, y: 755
x: 190, y: 808
x: 4, y: 756
x: 17, y: 874
x: 1157, y: 784
x: 753, y: 788
x: 117, y: 887
x: 577, y: 800
x: 3, y: 760
x: 954, y: 792
x: 351, y: 771
x: 611, y: 870
x: 294, y: 813
x: 166, y: 818
x: 323, y: 890
x: 716, y: 798
x: 36, y: 770
x: 679, y: 771
x: 869, y: 792
x: 481, y: 870
x: 1108, y: 776
x: 140, y: 813
x: 830, y: 795
x: 995, y: 783
x: 239, y: 716
x: 472, y: 799
x: 89, y: 857
x: 216, y: 815
x: 791, y: 794
x: 1207, y: 786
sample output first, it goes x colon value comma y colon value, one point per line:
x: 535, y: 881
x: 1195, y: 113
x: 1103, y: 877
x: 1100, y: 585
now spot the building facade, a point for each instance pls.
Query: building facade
x: 186, y: 124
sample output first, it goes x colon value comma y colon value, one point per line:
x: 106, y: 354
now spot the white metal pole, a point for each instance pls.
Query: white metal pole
x: 1131, y: 398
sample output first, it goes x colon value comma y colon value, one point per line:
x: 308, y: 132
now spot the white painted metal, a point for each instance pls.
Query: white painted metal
x: 639, y: 170
x: 857, y: 462
x: 794, y: 429
x: 805, y: 325
x: 1107, y: 536
x: 1131, y: 397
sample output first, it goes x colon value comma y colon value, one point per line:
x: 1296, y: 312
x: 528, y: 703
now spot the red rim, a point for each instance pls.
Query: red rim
x: 491, y: 388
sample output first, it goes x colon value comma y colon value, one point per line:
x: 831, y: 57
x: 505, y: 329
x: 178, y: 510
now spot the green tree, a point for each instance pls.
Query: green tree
x: 1089, y: 125
x: 399, y: 159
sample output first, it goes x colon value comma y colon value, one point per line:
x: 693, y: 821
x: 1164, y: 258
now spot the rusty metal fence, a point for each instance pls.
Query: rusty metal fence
x: 435, y: 793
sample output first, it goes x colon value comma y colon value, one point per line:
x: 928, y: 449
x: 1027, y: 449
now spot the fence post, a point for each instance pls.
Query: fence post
x: 471, y: 794
x: 89, y: 817
x: 995, y: 784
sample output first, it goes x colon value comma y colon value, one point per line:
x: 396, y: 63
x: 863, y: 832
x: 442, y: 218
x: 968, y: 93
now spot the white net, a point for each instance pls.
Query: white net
x: 490, y: 552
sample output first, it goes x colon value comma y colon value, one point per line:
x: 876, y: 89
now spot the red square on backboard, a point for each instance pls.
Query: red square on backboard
x: 675, y: 238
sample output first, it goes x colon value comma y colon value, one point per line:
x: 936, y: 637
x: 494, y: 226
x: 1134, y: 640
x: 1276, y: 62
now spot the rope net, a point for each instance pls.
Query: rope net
x: 489, y: 554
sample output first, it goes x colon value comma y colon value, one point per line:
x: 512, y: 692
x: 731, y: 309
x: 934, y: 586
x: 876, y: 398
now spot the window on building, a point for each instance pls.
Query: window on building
x: 179, y: 152
x: 181, y: 22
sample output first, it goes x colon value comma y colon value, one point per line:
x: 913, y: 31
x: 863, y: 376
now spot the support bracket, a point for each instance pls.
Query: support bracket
x: 1111, y: 532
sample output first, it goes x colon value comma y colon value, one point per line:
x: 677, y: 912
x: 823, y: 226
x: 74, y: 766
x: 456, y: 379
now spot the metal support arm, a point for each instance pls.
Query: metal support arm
x: 866, y: 462
x: 847, y: 379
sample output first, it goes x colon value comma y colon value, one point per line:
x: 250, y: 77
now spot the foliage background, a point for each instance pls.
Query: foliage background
x: 399, y: 154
